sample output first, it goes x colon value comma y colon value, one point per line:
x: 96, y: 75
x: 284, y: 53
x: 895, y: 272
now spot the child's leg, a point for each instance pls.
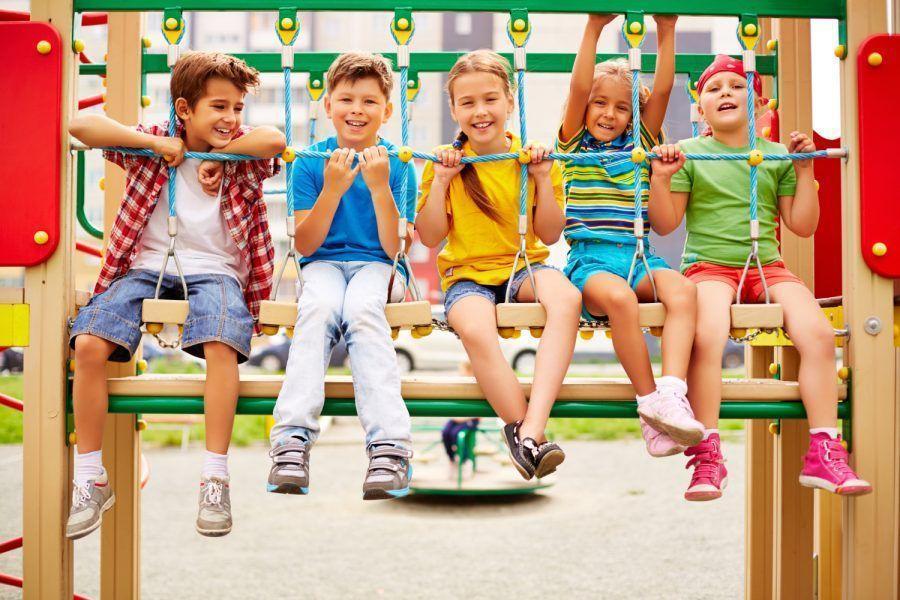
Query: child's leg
x: 813, y: 337
x: 376, y: 379
x: 474, y: 318
x: 605, y: 293
x: 220, y: 395
x: 302, y: 394
x: 679, y: 295
x: 562, y: 302
x: 714, y: 300
x: 89, y: 391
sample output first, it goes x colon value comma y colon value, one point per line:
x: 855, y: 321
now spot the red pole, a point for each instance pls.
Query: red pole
x: 90, y: 101
x: 10, y: 545
x: 13, y: 404
x: 88, y: 19
x: 14, y: 15
x: 88, y: 249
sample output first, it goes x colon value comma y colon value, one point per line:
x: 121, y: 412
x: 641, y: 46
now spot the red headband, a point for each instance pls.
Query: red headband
x: 723, y: 63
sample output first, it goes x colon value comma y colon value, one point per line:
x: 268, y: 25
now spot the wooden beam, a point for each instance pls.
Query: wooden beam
x: 871, y: 522
x: 759, y: 524
x: 456, y: 387
x: 120, y: 535
x: 47, y: 559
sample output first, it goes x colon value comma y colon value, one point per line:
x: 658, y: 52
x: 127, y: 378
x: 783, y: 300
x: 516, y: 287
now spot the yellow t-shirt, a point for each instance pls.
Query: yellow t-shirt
x: 478, y: 248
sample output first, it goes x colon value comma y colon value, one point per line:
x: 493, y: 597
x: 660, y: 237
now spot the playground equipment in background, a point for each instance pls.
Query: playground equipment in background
x: 779, y: 517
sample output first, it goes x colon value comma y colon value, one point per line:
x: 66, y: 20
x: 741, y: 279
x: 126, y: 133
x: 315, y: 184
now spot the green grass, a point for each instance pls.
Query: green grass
x: 11, y: 420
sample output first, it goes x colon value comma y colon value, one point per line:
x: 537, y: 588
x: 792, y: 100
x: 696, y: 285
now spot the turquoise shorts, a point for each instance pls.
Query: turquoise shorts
x: 586, y: 259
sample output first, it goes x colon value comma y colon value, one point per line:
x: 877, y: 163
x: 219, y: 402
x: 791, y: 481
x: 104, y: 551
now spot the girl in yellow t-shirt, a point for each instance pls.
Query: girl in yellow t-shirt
x: 475, y: 208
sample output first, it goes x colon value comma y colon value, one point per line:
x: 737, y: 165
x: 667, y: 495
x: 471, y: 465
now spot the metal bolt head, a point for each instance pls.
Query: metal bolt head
x: 872, y: 326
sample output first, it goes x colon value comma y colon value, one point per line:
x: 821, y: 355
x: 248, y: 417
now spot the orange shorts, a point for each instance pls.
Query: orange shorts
x: 752, y: 291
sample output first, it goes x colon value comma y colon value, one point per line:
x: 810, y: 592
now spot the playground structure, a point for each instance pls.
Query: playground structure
x: 798, y: 542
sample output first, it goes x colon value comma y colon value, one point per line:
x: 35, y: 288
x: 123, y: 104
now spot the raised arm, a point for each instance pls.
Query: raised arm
x: 583, y: 75
x: 432, y: 222
x: 800, y: 212
x: 262, y: 142
x: 655, y: 111
x: 665, y: 207
x: 99, y: 131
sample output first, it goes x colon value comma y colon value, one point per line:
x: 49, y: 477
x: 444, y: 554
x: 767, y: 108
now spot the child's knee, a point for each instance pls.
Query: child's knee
x: 683, y: 297
x: 620, y: 302
x: 91, y: 350
x: 566, y: 303
x: 711, y: 337
x: 815, y: 337
x: 219, y: 352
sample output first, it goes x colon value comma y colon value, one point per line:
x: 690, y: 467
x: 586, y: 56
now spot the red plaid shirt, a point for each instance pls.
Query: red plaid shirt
x: 242, y: 205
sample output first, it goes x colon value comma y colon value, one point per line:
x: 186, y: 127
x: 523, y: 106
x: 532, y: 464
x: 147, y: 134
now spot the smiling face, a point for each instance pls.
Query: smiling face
x: 481, y: 104
x: 723, y: 102
x: 215, y: 117
x: 609, y: 108
x: 357, y: 109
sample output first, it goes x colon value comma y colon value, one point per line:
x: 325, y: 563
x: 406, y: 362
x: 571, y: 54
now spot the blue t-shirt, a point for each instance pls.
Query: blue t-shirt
x: 354, y: 230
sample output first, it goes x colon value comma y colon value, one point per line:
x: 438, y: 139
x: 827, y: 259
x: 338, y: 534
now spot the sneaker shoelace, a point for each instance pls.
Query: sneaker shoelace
x: 681, y: 407
x: 213, y: 495
x: 836, y: 457
x: 81, y: 495
x: 706, y: 457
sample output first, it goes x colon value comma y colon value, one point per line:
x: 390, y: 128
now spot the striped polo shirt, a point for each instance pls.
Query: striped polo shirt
x: 600, y: 197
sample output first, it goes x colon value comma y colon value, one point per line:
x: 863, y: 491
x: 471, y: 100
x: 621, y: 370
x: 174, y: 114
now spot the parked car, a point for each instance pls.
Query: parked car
x: 733, y: 357
x: 274, y: 356
x: 11, y: 361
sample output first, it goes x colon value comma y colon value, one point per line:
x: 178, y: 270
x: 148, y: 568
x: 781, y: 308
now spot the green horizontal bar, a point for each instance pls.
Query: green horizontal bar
x: 441, y: 62
x: 819, y: 9
x: 343, y: 407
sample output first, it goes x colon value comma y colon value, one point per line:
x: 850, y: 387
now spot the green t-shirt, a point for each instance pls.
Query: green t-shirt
x: 718, y: 210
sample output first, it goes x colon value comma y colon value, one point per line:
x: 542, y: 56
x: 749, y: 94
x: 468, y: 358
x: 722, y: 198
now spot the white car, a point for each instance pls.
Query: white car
x: 442, y: 350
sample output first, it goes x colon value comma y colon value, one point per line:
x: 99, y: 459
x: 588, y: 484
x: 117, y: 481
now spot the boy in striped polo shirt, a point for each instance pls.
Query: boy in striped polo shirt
x: 600, y: 216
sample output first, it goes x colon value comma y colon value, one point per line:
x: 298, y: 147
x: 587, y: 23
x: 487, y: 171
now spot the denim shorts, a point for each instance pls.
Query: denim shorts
x: 494, y: 293
x: 217, y: 313
x: 586, y: 259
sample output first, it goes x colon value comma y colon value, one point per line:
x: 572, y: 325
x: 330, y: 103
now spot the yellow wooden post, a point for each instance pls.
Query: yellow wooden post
x: 47, y: 560
x: 759, y: 522
x: 870, y: 559
x: 120, y: 534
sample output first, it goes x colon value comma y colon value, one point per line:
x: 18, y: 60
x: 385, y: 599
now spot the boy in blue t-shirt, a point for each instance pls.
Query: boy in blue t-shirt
x: 348, y: 210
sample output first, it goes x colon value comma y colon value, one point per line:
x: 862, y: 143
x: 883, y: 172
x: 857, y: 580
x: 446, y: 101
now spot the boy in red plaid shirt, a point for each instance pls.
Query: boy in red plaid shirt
x: 225, y: 251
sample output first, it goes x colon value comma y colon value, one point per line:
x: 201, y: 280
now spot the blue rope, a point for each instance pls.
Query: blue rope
x: 172, y: 118
x: 636, y: 139
x: 581, y: 158
x: 523, y: 136
x: 404, y: 137
x: 751, y: 118
x: 288, y: 126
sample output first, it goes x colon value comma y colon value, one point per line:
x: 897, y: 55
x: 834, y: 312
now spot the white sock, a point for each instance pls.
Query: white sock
x: 88, y: 466
x: 647, y: 398
x: 672, y: 384
x: 709, y: 432
x: 215, y: 465
x: 831, y: 431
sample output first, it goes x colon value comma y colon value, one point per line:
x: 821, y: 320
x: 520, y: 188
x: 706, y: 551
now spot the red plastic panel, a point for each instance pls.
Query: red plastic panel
x: 29, y: 142
x: 828, y: 259
x: 878, y: 65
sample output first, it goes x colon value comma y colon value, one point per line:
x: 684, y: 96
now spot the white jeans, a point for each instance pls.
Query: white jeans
x: 344, y: 298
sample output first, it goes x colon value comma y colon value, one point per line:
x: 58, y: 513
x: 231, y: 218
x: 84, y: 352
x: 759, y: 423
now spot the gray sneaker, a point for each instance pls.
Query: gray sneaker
x: 214, y: 516
x: 389, y: 473
x: 290, y: 467
x: 89, y: 502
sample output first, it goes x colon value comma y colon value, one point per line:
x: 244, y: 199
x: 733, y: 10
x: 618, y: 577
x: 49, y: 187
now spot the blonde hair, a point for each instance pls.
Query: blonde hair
x: 617, y: 68
x: 479, y: 61
x: 353, y: 66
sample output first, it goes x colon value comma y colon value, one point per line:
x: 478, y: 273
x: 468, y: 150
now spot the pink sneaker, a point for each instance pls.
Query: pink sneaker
x: 710, y: 476
x: 825, y: 467
x: 670, y: 413
x: 659, y: 444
